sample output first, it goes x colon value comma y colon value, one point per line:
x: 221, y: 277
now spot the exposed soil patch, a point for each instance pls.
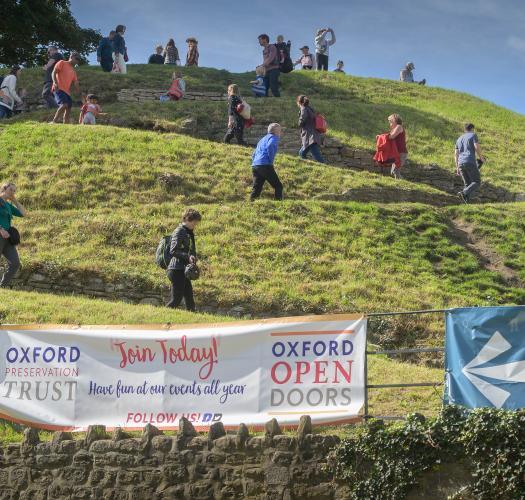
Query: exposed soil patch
x: 464, y: 234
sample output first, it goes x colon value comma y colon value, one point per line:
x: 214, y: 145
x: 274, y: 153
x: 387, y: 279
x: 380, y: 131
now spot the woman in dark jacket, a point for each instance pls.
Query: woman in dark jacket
x: 183, y: 252
x: 310, y: 137
x: 235, y: 120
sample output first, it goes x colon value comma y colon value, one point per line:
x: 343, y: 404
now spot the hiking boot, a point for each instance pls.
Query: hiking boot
x: 463, y: 197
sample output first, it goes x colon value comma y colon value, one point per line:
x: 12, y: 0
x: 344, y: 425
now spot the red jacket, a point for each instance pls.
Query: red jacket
x: 386, y: 150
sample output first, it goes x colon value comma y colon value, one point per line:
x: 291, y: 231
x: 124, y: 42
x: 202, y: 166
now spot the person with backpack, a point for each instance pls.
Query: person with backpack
x: 322, y: 47
x: 262, y: 163
x: 47, y: 92
x: 467, y: 147
x: 178, y: 87
x: 311, y: 138
x: 235, y: 120
x: 271, y: 65
x: 9, y: 237
x: 105, y: 52
x: 183, y: 260
x: 8, y: 96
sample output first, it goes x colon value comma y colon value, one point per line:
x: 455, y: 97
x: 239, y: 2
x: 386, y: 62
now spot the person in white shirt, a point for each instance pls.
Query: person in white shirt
x: 322, y: 46
x: 8, y: 95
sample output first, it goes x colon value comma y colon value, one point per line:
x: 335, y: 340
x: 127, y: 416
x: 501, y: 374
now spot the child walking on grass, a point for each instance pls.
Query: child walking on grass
x: 90, y: 110
x: 258, y: 85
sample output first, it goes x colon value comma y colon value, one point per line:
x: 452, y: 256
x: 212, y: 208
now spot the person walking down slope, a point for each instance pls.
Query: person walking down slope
x: 322, y: 47
x: 183, y: 252
x: 406, y: 75
x: 310, y: 138
x: 235, y: 120
x: 467, y: 147
x: 171, y: 53
x: 157, y: 58
x: 120, y: 53
x: 192, y: 57
x: 271, y: 65
x: 47, y: 92
x: 105, y: 52
x: 64, y: 75
x: 9, y: 208
x: 397, y: 134
x: 262, y: 163
x: 8, y: 96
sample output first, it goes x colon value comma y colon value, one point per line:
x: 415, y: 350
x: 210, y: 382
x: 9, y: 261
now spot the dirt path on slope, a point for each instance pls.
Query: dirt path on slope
x: 464, y: 233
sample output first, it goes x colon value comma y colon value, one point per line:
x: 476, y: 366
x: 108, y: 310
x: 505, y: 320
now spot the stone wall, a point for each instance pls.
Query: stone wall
x: 142, y: 95
x: 156, y: 466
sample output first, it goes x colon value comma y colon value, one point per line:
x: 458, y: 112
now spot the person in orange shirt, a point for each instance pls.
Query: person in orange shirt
x: 64, y: 75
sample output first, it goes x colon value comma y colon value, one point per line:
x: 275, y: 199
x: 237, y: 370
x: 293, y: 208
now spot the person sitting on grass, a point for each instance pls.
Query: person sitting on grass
x: 467, y: 147
x: 90, y: 110
x: 178, y: 87
x: 262, y: 163
x: 235, y: 120
x: 311, y: 139
x: 64, y: 76
x: 258, y: 86
x: 306, y: 60
x: 183, y: 252
x: 407, y: 76
x: 9, y: 207
x: 339, y: 67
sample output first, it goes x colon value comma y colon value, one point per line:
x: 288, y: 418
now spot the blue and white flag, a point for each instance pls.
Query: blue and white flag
x: 485, y: 357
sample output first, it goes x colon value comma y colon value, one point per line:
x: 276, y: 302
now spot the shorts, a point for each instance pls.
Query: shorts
x: 63, y: 99
x: 89, y: 119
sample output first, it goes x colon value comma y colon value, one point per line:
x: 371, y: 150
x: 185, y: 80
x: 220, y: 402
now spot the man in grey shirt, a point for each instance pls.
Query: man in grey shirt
x: 467, y: 146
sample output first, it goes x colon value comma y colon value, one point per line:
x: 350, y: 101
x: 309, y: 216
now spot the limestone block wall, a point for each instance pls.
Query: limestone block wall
x: 156, y: 466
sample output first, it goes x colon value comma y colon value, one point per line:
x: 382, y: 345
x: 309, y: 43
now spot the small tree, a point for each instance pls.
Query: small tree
x: 27, y: 27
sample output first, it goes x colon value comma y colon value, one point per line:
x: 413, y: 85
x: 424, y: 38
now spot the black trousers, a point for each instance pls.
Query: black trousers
x: 237, y: 132
x: 322, y: 61
x: 264, y: 173
x: 180, y: 287
x: 271, y: 80
x: 48, y: 96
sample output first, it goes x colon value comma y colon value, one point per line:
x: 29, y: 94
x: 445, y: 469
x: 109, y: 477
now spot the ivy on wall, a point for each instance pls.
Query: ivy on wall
x: 385, y: 461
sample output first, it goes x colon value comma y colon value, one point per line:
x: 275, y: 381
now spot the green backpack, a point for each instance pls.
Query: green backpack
x: 163, y: 254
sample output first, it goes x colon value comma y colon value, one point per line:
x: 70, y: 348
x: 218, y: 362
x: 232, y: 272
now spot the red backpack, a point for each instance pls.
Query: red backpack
x: 175, y: 92
x: 320, y: 123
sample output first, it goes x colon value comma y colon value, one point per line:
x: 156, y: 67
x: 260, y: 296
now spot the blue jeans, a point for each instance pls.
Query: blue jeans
x: 271, y: 81
x: 5, y: 112
x: 315, y: 150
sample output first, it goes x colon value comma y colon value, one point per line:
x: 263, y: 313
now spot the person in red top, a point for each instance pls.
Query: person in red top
x: 64, y: 75
x: 397, y: 134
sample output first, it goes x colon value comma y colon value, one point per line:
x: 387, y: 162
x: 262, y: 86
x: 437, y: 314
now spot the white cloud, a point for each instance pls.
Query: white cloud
x: 516, y: 43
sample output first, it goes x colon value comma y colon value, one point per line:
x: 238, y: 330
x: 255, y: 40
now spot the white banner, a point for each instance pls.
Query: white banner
x: 69, y: 378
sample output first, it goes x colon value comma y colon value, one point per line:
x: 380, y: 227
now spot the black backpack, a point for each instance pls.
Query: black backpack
x: 163, y: 254
x: 285, y: 61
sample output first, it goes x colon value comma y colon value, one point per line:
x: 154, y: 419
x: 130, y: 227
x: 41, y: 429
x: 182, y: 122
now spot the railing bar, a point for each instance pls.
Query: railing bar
x: 422, y: 384
x: 404, y: 313
x: 408, y: 351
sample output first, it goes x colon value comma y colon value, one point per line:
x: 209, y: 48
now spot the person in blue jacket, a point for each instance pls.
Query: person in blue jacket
x: 262, y: 163
x: 105, y: 52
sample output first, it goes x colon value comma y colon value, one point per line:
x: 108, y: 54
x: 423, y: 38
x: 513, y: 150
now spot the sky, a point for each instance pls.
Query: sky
x: 474, y: 46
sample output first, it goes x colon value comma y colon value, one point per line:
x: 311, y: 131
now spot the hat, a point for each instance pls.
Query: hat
x: 410, y: 65
x: 191, y: 39
x: 305, y: 47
